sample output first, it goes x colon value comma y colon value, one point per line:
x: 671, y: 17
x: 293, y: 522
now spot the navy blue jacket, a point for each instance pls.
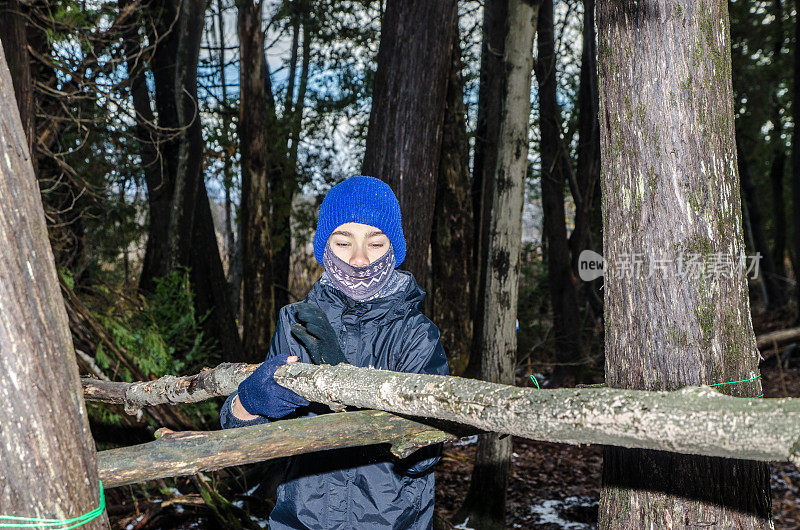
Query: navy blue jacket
x: 360, y: 487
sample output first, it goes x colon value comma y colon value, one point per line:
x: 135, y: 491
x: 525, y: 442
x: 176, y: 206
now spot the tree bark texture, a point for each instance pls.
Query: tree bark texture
x: 451, y: 238
x: 485, y: 501
x: 671, y: 189
x: 405, y: 123
x: 46, y: 472
x: 555, y: 165
x: 487, y: 131
x: 190, y: 452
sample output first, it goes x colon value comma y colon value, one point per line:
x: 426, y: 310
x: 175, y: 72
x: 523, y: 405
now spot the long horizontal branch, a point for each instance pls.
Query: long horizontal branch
x: 209, y: 383
x: 189, y: 452
x: 693, y: 420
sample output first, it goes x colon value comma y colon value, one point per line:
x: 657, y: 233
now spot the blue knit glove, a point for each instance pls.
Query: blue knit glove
x: 261, y: 394
x: 317, y: 334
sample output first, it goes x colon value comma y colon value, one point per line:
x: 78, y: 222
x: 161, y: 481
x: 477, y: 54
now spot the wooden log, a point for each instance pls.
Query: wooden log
x: 210, y: 382
x: 693, y: 420
x: 189, y: 452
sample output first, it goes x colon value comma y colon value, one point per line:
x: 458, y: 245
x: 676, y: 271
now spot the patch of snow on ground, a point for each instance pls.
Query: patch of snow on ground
x: 469, y: 440
x: 463, y: 526
x: 548, y: 511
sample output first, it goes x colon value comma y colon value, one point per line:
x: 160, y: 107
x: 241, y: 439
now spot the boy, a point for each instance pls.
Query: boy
x: 365, y: 312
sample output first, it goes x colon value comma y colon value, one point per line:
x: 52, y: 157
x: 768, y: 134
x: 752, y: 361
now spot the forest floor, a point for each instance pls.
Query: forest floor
x: 555, y: 486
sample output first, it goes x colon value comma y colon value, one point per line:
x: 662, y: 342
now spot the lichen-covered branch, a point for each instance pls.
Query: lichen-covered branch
x: 693, y: 420
x: 209, y: 383
x: 187, y: 453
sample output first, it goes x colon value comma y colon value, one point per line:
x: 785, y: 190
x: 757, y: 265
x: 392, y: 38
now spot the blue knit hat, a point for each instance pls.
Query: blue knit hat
x: 364, y: 200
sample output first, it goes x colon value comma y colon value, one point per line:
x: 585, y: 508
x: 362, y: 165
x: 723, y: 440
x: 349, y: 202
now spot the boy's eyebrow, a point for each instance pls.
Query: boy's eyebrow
x: 350, y: 234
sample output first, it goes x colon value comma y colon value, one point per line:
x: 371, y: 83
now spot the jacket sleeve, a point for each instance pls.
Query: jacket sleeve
x: 423, y: 353
x: 282, y: 342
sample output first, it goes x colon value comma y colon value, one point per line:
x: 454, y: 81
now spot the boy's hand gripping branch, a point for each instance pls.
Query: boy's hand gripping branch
x: 261, y: 394
x: 317, y: 334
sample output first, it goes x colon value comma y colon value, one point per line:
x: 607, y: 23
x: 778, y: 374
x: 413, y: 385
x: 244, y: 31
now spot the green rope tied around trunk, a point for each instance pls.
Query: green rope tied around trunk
x: 60, y: 524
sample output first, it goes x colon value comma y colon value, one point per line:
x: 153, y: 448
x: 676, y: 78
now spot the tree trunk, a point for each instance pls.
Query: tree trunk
x: 451, y: 251
x: 182, y: 232
x: 47, y: 471
x: 487, y: 131
x: 485, y: 502
x: 766, y: 267
x: 563, y: 294
x: 405, y: 124
x: 260, y: 162
x: 671, y: 190
x: 588, y: 169
x: 777, y: 169
x: 796, y: 163
x: 15, y: 45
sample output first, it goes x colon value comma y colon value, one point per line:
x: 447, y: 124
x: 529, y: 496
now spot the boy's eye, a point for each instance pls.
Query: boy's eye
x: 340, y: 244
x: 377, y: 245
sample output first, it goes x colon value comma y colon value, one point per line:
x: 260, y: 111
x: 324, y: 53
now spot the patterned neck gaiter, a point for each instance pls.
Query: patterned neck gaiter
x: 359, y: 283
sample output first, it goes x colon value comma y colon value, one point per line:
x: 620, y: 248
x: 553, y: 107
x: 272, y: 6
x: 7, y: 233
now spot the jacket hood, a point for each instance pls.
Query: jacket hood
x: 412, y: 296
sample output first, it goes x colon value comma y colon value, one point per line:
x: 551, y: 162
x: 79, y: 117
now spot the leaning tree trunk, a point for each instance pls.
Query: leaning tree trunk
x: 563, y: 294
x: 451, y: 251
x: 47, y: 470
x: 405, y: 124
x: 486, y: 499
x: 671, y: 190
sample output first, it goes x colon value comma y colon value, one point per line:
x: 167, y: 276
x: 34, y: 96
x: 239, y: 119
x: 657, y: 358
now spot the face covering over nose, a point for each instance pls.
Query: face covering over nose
x: 359, y: 283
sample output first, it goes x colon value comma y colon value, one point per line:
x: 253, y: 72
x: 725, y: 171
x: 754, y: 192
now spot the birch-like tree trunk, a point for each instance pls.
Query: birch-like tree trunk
x: 485, y: 502
x: 46, y: 470
x: 670, y: 190
x: 405, y: 123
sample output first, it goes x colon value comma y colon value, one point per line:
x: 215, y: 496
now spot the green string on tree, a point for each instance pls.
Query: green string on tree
x: 60, y: 524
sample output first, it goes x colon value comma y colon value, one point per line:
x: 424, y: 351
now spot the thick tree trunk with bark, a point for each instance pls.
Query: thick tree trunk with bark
x: 47, y: 470
x: 405, y: 124
x: 451, y: 238
x: 487, y: 129
x: 485, y: 502
x: 671, y: 191
x: 555, y: 166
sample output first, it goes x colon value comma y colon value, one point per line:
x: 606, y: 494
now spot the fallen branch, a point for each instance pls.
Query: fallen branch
x: 693, y: 420
x: 189, y: 452
x: 209, y: 383
x: 783, y: 335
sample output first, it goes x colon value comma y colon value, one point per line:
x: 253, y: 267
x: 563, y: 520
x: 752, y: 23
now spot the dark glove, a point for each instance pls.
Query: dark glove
x: 317, y: 335
x: 261, y: 394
